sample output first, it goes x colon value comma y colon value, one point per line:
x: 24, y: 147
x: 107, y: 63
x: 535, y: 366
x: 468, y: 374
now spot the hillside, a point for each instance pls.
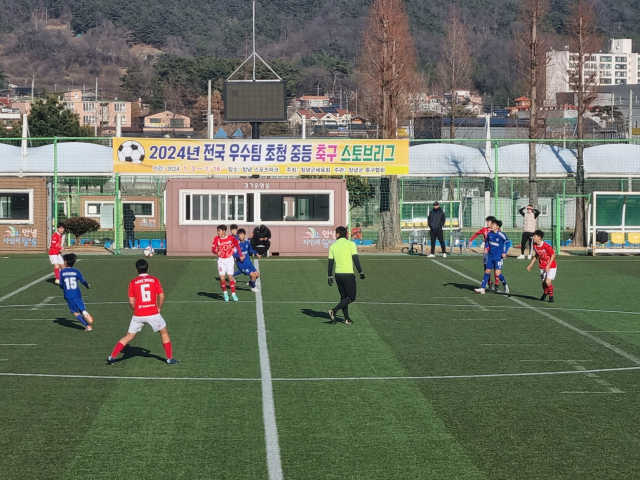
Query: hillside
x: 82, y: 39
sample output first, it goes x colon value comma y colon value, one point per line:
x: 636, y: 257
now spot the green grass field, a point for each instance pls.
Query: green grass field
x: 432, y: 381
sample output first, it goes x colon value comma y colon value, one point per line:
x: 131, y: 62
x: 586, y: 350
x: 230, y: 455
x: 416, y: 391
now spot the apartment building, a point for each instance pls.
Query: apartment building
x: 103, y: 111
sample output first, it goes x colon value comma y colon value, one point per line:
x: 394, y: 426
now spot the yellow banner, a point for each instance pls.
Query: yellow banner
x: 165, y: 156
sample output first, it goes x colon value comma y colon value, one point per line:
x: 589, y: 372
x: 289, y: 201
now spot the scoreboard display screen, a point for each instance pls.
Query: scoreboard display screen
x: 249, y: 101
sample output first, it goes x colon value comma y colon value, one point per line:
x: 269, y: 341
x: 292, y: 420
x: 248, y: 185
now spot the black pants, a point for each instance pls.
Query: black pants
x: 262, y: 247
x: 130, y: 239
x: 527, y: 237
x: 347, y: 287
x: 437, y: 234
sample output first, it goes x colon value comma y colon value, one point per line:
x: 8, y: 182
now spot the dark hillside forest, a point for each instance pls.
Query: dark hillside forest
x: 66, y: 43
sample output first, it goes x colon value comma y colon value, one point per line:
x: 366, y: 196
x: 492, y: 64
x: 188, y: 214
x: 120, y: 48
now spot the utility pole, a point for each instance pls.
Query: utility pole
x: 630, y: 115
x: 209, y: 125
x: 97, y: 106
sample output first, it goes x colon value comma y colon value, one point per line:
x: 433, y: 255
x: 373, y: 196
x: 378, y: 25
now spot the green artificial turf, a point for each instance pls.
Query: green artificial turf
x: 489, y: 395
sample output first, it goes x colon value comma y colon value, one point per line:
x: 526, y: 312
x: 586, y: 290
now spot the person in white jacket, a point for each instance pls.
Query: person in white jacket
x: 530, y: 225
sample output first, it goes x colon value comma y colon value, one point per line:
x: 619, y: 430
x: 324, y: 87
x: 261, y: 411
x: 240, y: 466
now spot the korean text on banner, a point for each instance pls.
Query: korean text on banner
x: 144, y: 156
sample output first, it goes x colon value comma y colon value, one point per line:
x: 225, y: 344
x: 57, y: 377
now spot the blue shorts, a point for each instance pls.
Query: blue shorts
x: 494, y: 263
x: 247, y: 269
x: 76, y: 305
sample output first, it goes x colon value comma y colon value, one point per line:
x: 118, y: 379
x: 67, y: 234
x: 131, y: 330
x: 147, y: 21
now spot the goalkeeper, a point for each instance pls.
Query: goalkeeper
x: 343, y: 255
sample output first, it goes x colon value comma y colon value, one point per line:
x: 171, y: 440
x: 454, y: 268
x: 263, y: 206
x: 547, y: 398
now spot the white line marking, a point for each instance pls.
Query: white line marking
x: 610, y: 388
x: 591, y: 393
x: 325, y: 379
x: 17, y: 344
x: 21, y: 289
x: 274, y: 463
x: 607, y: 345
x: 563, y: 361
x: 514, y: 344
x: 42, y: 303
x: 476, y: 304
x: 3, y: 359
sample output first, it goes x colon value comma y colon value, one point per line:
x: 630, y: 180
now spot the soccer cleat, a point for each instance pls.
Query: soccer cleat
x: 444, y: 255
x: 520, y: 257
x: 495, y: 287
x: 332, y: 316
x: 255, y: 290
x: 110, y: 360
x: 88, y: 329
x: 543, y: 297
x: 528, y: 257
x: 506, y: 289
x: 431, y: 255
x: 234, y: 297
x: 226, y: 296
x: 551, y: 300
x: 172, y: 361
x: 348, y: 321
x: 88, y: 317
x: 479, y: 290
x: 248, y: 284
x: 57, y: 282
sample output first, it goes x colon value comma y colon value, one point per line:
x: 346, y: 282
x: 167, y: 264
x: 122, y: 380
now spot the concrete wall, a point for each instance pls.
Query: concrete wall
x: 26, y: 236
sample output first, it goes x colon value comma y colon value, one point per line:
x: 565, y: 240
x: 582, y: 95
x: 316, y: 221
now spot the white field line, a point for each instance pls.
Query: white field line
x: 274, y: 464
x: 610, y: 388
x: 324, y: 379
x: 18, y: 344
x: 21, y: 289
x: 598, y: 340
x: 42, y: 303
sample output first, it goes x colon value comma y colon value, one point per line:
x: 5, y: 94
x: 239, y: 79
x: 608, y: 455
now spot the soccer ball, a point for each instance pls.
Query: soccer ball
x: 149, y: 251
x: 131, y: 151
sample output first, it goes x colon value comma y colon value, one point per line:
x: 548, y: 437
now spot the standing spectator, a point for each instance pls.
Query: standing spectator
x: 530, y: 225
x: 260, y: 241
x: 128, y: 219
x: 343, y: 254
x: 436, y: 220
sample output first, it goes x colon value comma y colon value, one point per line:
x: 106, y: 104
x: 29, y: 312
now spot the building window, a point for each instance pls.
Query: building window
x: 621, y: 59
x: 621, y: 66
x: 140, y: 209
x: 88, y: 119
x: 621, y: 81
x: 605, y: 66
x: 16, y: 206
x: 120, y: 107
x: 605, y: 81
x: 605, y: 74
x: 155, y: 120
x: 89, y: 106
x: 200, y: 207
x: 621, y: 74
x: 176, y: 122
x: 123, y: 119
x: 605, y: 59
x: 294, y: 207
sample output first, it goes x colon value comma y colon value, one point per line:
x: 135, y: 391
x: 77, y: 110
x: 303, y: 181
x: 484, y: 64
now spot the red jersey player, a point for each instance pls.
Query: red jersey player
x: 547, y: 260
x: 55, y: 250
x: 485, y: 232
x: 146, y: 298
x: 224, y: 246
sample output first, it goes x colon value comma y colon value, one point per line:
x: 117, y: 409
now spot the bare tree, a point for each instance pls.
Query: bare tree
x: 582, y: 71
x: 387, y: 69
x: 454, y: 70
x: 531, y: 57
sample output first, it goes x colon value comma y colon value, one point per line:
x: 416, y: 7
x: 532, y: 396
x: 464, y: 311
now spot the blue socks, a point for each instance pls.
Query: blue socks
x: 252, y: 284
x: 502, y: 279
x: 82, y: 320
x: 485, y: 280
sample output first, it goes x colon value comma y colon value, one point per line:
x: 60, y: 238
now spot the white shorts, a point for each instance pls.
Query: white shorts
x: 551, y: 275
x: 56, y: 259
x: 156, y: 321
x: 226, y: 266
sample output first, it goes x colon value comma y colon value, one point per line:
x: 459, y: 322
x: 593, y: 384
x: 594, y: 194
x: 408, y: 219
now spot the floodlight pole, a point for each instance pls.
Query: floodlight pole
x: 254, y: 50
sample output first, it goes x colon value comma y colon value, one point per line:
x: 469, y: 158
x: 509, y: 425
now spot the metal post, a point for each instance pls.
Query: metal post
x: 630, y: 115
x: 55, y: 183
x: 255, y: 130
x: 496, y: 185
x: 558, y: 236
x: 117, y: 234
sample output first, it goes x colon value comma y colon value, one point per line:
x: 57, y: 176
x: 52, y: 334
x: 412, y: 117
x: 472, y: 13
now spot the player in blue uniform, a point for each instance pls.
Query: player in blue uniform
x: 496, y: 249
x: 245, y: 266
x: 70, y: 280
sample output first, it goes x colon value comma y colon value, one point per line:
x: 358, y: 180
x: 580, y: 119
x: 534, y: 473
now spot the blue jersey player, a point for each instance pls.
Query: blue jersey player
x: 496, y: 250
x: 245, y: 266
x: 70, y: 280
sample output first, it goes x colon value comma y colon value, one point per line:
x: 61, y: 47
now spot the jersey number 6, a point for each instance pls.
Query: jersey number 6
x: 146, y: 294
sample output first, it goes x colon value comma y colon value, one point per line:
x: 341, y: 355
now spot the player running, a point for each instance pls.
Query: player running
x: 245, y: 266
x: 145, y: 298
x: 71, y: 278
x: 224, y: 246
x: 55, y: 250
x: 496, y: 249
x: 547, y: 261
x: 484, y: 232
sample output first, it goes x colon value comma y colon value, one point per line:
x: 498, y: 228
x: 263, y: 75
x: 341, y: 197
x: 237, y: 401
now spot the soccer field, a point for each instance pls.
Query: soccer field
x: 432, y: 381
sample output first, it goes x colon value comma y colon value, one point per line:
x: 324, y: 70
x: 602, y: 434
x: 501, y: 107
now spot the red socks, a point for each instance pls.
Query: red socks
x: 117, y: 349
x: 168, y: 350
x: 223, y: 284
x: 56, y: 272
x: 550, y: 289
x: 232, y: 284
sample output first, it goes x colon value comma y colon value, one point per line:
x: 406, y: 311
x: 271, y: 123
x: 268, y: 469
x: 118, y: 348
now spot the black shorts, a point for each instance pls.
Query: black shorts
x: 346, y: 285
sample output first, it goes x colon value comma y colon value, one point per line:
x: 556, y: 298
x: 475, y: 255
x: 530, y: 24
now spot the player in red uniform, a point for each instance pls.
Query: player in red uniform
x: 547, y: 260
x: 485, y: 232
x: 224, y: 246
x: 146, y: 298
x: 55, y: 251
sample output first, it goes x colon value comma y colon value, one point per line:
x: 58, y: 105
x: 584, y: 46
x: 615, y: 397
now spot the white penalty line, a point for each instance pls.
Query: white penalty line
x: 22, y: 289
x: 598, y: 340
x: 325, y: 379
x: 274, y: 463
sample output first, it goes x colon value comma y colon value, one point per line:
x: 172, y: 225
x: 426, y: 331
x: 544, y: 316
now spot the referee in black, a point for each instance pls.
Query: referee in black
x: 343, y: 255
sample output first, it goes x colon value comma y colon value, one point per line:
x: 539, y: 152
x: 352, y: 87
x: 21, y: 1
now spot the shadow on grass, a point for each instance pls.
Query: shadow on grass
x: 214, y: 296
x: 131, y: 352
x: 461, y: 286
x: 317, y: 314
x: 51, y: 280
x: 65, y: 322
x: 464, y: 286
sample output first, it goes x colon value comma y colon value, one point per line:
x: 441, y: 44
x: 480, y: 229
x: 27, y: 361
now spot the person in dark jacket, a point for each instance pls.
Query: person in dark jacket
x: 128, y: 219
x: 436, y: 220
x: 261, y: 240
